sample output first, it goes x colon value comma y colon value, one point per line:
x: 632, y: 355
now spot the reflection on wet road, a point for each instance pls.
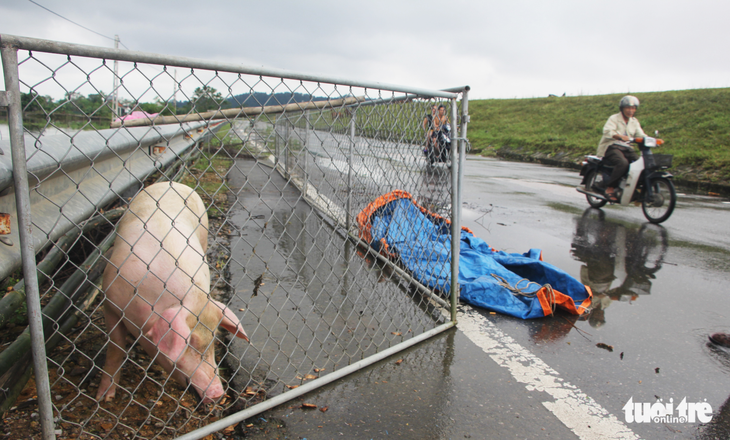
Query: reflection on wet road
x: 619, y: 262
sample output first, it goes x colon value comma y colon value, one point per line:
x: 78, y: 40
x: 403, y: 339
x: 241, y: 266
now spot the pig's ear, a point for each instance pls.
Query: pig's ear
x: 230, y: 322
x: 171, y: 333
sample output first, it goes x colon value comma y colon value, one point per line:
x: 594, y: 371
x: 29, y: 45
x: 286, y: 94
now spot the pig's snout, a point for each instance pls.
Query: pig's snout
x: 209, y: 389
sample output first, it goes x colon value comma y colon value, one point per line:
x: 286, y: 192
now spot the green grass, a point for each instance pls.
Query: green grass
x: 207, y: 177
x: 695, y: 125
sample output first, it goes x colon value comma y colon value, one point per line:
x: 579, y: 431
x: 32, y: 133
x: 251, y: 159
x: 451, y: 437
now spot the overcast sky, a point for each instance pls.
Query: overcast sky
x: 505, y: 49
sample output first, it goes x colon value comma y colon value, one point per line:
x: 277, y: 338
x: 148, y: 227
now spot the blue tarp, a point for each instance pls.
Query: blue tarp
x: 421, y: 241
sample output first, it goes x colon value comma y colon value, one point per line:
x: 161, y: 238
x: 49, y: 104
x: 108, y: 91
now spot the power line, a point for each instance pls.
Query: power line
x: 71, y: 21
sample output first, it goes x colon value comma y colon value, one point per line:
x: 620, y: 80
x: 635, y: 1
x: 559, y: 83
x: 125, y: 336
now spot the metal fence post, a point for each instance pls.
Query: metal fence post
x: 348, y: 222
x: 456, y: 173
x: 305, y: 150
x: 287, y: 146
x: 277, y: 135
x: 22, y: 200
x: 462, y: 142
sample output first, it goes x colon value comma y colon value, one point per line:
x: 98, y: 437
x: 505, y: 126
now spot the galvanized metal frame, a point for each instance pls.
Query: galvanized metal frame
x: 22, y: 198
x: 10, y: 45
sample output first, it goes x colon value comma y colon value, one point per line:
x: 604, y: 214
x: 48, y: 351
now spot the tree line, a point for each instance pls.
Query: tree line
x: 98, y: 106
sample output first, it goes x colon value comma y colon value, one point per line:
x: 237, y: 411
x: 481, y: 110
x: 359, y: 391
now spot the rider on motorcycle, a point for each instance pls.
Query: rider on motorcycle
x: 614, y: 146
x: 438, y: 125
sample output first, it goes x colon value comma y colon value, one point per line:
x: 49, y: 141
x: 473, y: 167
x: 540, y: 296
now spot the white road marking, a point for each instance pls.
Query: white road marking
x: 579, y: 412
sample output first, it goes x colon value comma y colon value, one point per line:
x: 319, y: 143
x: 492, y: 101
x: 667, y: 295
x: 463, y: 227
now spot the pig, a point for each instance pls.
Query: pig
x: 157, y: 284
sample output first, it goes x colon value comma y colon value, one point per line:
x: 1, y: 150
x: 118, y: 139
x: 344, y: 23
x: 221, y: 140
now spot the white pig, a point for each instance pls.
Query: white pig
x: 156, y: 285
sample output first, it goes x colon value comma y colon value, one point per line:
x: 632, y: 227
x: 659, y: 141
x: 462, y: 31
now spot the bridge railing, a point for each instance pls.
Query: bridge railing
x: 283, y: 162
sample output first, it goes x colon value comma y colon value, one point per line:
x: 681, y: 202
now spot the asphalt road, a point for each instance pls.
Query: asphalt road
x: 659, y: 291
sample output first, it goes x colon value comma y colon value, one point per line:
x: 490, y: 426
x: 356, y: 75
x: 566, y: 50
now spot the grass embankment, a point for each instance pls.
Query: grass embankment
x: 695, y: 124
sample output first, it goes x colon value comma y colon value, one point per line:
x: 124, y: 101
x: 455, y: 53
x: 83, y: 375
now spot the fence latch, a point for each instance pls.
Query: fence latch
x: 5, y: 229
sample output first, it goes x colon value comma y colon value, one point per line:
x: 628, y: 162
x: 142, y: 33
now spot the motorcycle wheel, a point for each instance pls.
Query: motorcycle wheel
x: 445, y: 154
x: 662, y: 202
x: 430, y: 157
x: 593, y: 178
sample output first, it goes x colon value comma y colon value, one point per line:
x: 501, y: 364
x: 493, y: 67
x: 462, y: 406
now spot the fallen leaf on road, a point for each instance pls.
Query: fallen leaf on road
x: 605, y: 346
x: 399, y: 361
x: 309, y: 405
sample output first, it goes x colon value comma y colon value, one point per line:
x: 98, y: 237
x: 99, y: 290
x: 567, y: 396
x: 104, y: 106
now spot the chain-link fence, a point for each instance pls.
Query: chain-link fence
x: 115, y: 335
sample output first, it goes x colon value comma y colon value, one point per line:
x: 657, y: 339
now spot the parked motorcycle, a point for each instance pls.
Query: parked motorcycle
x: 442, y: 151
x: 646, y: 182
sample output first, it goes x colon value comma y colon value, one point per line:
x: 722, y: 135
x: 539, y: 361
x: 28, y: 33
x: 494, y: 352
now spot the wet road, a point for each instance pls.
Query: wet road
x: 659, y: 291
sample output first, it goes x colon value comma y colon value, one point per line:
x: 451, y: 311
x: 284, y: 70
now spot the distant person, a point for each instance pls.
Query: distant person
x: 614, y: 146
x: 428, y: 125
x: 438, y: 122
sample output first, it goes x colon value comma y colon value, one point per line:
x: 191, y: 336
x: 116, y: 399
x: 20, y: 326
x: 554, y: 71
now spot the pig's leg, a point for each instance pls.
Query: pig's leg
x: 115, y: 354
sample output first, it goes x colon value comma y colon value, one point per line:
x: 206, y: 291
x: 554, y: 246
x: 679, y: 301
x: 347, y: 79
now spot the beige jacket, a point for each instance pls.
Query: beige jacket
x: 616, y: 125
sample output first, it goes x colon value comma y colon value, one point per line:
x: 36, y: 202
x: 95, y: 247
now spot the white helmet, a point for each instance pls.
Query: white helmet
x: 628, y: 101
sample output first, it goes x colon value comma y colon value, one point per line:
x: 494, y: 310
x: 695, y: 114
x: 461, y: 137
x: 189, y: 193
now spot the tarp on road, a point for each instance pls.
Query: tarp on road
x: 520, y: 285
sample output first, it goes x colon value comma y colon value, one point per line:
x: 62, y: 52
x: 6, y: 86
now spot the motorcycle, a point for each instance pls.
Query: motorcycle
x: 646, y: 182
x: 443, y: 151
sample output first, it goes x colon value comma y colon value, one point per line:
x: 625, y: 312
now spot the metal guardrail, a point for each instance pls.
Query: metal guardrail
x: 59, y: 166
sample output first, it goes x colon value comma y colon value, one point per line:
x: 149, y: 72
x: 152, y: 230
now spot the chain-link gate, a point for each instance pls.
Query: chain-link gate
x: 281, y: 165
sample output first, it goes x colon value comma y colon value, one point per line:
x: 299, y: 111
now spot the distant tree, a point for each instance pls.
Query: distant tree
x: 158, y: 106
x: 94, y: 104
x: 207, y: 98
x: 33, y: 102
